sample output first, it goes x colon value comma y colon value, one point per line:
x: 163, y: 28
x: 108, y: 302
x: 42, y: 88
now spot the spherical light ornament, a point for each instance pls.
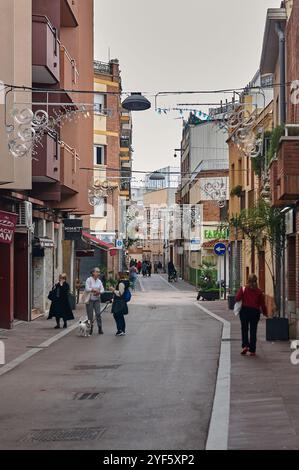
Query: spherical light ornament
x: 25, y: 116
x: 136, y: 102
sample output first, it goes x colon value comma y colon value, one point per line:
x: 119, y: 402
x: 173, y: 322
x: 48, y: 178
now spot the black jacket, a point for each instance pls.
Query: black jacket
x: 60, y: 307
x: 119, y: 306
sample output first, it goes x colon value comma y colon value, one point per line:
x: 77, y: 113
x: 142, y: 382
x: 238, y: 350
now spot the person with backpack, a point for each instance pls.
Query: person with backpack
x: 253, y: 302
x: 122, y: 296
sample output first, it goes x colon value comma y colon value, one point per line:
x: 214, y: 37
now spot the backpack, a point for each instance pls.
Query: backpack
x: 127, y: 295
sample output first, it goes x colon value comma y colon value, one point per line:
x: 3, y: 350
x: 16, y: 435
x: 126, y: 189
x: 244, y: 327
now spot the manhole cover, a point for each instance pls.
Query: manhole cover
x: 55, y: 435
x: 88, y: 395
x: 95, y: 367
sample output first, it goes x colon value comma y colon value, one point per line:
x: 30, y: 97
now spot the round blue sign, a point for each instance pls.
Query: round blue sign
x: 220, y: 249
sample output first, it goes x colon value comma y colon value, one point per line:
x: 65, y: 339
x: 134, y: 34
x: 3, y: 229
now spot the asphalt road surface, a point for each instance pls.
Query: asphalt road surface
x: 151, y: 389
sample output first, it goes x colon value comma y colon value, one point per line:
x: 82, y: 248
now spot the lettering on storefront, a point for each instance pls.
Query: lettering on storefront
x: 216, y: 234
x: 7, y: 227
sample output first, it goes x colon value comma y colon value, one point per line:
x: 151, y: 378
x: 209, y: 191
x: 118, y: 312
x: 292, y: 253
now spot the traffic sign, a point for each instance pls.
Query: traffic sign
x: 220, y: 249
x: 119, y: 244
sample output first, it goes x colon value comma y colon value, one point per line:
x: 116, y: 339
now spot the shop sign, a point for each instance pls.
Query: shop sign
x: 8, y: 223
x: 195, y: 244
x: 73, y: 229
x: 216, y: 234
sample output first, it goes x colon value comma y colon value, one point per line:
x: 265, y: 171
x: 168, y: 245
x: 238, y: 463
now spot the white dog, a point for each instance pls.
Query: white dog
x: 84, y: 327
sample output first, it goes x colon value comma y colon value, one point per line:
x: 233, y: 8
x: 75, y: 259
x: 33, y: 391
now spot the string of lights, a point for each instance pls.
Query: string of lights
x: 145, y: 93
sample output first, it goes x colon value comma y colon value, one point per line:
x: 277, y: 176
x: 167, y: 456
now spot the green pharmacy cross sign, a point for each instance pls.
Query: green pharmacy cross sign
x: 216, y: 234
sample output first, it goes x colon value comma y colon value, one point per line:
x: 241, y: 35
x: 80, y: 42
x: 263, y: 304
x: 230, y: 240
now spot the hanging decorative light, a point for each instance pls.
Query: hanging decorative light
x: 136, y: 102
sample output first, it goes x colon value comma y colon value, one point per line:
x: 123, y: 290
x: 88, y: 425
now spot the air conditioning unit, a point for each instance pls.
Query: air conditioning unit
x: 24, y: 211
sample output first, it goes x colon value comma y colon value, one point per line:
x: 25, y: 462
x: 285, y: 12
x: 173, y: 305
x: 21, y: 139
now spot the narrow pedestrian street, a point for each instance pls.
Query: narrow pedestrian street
x: 152, y: 389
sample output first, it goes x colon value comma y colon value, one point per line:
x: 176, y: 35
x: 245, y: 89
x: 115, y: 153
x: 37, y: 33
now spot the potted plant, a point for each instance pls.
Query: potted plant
x: 237, y: 191
x: 207, y: 282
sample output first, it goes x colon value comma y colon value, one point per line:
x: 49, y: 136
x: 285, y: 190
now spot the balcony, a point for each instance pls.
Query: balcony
x: 45, y: 51
x: 125, y: 143
x: 102, y: 68
x: 68, y: 72
x: 69, y: 169
x: 287, y: 181
x: 46, y: 164
x: 69, y: 13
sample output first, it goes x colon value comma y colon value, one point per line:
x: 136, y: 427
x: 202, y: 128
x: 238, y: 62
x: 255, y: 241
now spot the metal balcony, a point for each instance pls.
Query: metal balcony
x: 46, y: 164
x: 45, y: 51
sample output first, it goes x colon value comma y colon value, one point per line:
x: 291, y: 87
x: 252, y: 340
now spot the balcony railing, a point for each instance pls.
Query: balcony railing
x: 45, y: 59
x: 288, y: 169
x: 69, y: 167
x: 102, y: 68
x: 69, y: 71
x: 46, y: 165
x: 125, y: 143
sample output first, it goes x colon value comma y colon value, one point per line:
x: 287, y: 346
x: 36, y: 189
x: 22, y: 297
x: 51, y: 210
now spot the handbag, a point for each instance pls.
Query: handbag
x: 85, y: 299
x: 238, y: 305
x: 52, y: 294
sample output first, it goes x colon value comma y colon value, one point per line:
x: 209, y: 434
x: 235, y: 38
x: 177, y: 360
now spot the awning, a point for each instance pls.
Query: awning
x: 209, y: 245
x: 99, y: 243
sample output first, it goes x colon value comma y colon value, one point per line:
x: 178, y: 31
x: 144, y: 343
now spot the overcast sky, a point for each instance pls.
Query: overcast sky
x: 167, y: 45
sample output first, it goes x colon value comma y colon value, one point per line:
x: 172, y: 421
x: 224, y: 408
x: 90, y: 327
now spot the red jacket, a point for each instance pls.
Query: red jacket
x: 253, y: 298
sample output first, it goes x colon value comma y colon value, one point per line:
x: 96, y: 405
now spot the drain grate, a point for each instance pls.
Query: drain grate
x: 57, y: 435
x: 95, y: 367
x: 88, y: 395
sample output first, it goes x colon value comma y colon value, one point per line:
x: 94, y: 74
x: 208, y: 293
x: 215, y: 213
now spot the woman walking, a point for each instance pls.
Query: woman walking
x: 93, y: 290
x: 120, y: 307
x: 60, y: 305
x: 253, y: 301
x: 133, y: 274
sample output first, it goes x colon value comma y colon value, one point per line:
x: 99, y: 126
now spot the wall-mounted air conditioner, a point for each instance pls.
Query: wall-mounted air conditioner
x: 24, y: 211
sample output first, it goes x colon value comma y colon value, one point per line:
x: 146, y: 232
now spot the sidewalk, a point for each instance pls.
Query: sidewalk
x: 27, y: 338
x: 264, y: 406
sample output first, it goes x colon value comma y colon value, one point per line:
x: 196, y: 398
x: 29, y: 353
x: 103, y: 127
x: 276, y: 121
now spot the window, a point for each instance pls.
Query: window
x: 100, y: 209
x: 99, y: 103
x: 99, y: 155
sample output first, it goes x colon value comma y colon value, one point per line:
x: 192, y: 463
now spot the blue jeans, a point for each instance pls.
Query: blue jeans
x: 120, y: 322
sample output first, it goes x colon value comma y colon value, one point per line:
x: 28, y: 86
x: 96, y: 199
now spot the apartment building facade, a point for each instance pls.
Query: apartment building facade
x: 204, y: 192
x: 42, y: 181
x: 111, y: 169
x: 280, y: 57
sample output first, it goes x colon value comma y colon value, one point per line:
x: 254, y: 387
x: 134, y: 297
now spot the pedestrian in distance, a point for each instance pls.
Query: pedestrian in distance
x: 119, y: 308
x: 139, y: 266
x: 92, y: 298
x: 253, y: 302
x: 60, y: 305
x: 172, y: 273
x: 133, y: 274
x: 159, y: 267
x: 149, y: 269
x: 144, y: 268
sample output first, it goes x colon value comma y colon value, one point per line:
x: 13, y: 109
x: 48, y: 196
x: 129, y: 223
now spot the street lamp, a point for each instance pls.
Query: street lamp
x: 136, y: 102
x: 157, y: 177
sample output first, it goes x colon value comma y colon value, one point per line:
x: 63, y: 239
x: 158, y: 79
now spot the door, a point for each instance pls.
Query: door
x: 21, y: 278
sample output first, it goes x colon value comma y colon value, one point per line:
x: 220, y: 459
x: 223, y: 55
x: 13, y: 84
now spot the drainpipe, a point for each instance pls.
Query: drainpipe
x: 282, y: 64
